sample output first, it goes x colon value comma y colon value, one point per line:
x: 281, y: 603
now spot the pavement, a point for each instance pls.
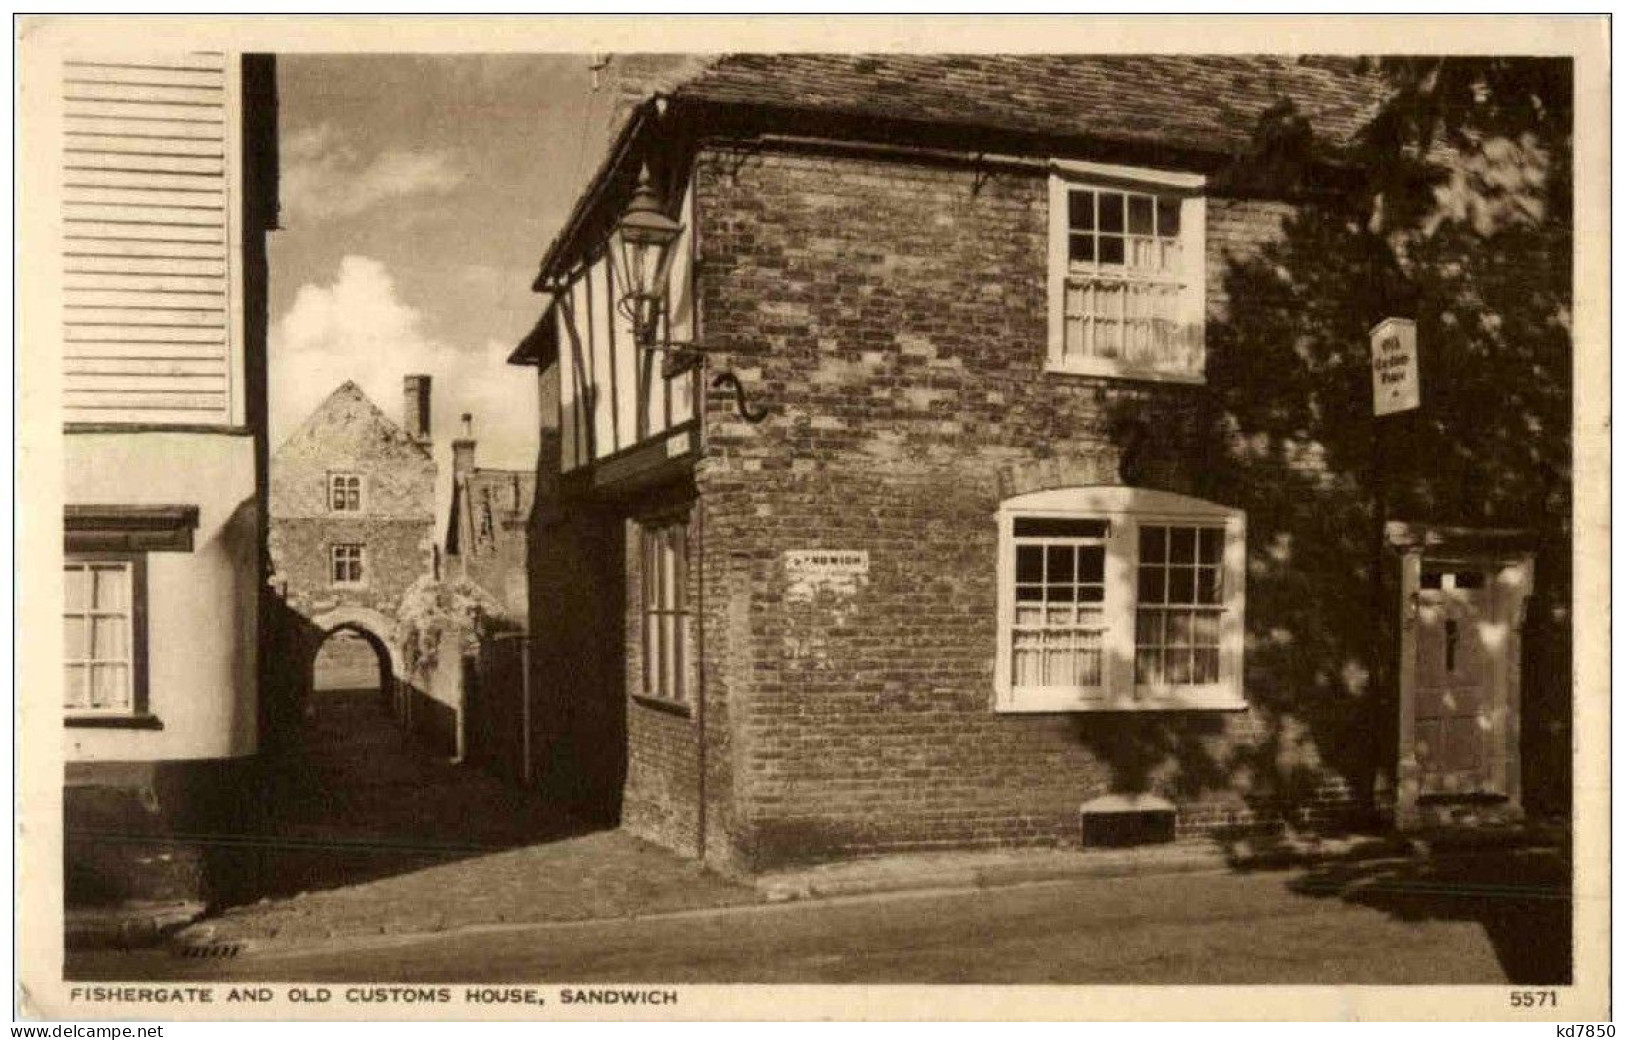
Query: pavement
x: 372, y: 841
x: 1485, y: 917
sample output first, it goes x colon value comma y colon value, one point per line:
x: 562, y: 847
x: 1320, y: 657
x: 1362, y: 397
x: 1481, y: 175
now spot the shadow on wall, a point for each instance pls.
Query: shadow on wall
x: 1285, y: 431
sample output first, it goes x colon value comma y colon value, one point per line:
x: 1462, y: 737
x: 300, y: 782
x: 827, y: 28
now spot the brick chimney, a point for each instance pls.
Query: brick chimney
x: 415, y: 415
x: 462, y: 451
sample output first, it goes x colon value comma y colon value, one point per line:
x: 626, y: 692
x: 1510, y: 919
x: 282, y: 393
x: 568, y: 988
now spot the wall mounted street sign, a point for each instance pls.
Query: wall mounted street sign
x: 1395, y: 383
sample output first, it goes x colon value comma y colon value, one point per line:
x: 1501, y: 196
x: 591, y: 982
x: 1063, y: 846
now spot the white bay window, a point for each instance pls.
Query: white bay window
x: 1115, y: 598
x: 1126, y: 272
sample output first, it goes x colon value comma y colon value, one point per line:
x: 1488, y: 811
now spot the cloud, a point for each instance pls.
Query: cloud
x: 357, y: 327
x: 323, y: 177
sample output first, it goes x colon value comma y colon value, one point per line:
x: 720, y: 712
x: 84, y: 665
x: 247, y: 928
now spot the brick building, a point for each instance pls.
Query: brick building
x: 1007, y: 501
x: 352, y: 522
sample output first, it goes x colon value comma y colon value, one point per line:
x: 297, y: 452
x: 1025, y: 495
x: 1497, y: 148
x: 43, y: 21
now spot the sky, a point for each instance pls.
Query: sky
x: 418, y: 195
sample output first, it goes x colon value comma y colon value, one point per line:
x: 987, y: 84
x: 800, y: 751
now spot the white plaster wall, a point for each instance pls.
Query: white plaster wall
x: 202, y: 606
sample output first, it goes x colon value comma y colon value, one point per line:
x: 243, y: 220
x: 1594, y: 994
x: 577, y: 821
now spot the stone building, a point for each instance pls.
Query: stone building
x: 352, y: 523
x: 485, y: 528
x: 162, y: 336
x: 1003, y: 471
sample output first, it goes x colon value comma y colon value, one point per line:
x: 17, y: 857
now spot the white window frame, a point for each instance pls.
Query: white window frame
x: 360, y: 492
x: 666, y: 647
x: 360, y: 561
x: 133, y: 628
x: 1124, y: 509
x: 1189, y: 188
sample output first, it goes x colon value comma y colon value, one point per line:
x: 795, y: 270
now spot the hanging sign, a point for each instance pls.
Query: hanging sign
x: 1395, y: 383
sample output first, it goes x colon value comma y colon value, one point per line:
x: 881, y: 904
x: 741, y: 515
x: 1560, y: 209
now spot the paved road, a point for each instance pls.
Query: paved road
x: 1210, y: 928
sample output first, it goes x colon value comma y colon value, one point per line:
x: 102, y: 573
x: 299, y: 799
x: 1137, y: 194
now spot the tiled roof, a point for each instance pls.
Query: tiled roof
x: 1208, y: 103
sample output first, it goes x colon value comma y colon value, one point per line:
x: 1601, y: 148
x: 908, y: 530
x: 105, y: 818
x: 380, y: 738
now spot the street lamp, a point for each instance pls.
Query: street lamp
x: 644, y: 237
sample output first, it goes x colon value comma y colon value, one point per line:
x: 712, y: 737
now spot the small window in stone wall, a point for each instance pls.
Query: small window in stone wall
x: 348, y: 564
x: 1126, y: 273
x: 344, y: 492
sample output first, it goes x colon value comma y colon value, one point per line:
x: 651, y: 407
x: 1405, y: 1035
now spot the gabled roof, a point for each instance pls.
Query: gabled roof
x: 1208, y: 103
x: 349, y: 415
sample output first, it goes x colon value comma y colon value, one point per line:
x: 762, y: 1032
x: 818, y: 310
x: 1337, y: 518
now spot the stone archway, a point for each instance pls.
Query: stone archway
x: 378, y: 630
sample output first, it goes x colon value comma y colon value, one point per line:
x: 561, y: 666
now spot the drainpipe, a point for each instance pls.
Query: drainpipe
x: 524, y: 708
x: 701, y: 391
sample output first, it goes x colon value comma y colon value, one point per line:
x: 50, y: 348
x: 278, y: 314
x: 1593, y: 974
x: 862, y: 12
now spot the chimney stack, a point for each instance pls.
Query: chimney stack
x: 462, y: 451
x: 415, y: 416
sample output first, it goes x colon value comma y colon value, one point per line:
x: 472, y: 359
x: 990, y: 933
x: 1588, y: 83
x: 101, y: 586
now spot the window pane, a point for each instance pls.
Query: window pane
x: 1168, y: 217
x: 1205, y: 666
x: 1081, y: 249
x: 1179, y: 628
x: 1139, y: 215
x: 1148, y: 628
x: 1029, y: 615
x: 74, y: 646
x: 1091, y: 563
x: 1091, y: 593
x: 1111, y: 211
x: 1182, y: 545
x: 1025, y: 659
x: 1205, y: 629
x: 1111, y: 249
x: 1151, y: 588
x: 1029, y: 593
x: 1143, y: 254
x: 108, y: 686
x: 75, y: 588
x: 1207, y: 585
x: 669, y: 685
x: 1059, y: 564
x: 1212, y: 539
x: 112, y: 588
x: 1029, y: 562
x: 76, y: 694
x: 1058, y: 614
x: 1080, y: 210
x: 108, y: 640
x: 1181, y: 585
x: 1058, y: 527
x: 1178, y: 666
x: 1153, y: 544
x: 1148, y: 667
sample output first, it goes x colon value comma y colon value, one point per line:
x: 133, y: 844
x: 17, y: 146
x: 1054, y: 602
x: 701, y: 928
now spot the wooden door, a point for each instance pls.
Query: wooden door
x: 1458, y: 680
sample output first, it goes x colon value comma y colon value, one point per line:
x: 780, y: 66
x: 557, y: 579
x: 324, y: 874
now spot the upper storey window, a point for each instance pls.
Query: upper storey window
x: 344, y: 492
x: 1126, y: 272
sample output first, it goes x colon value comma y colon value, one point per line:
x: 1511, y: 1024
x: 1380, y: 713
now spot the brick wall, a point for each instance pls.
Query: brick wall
x: 893, y: 317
